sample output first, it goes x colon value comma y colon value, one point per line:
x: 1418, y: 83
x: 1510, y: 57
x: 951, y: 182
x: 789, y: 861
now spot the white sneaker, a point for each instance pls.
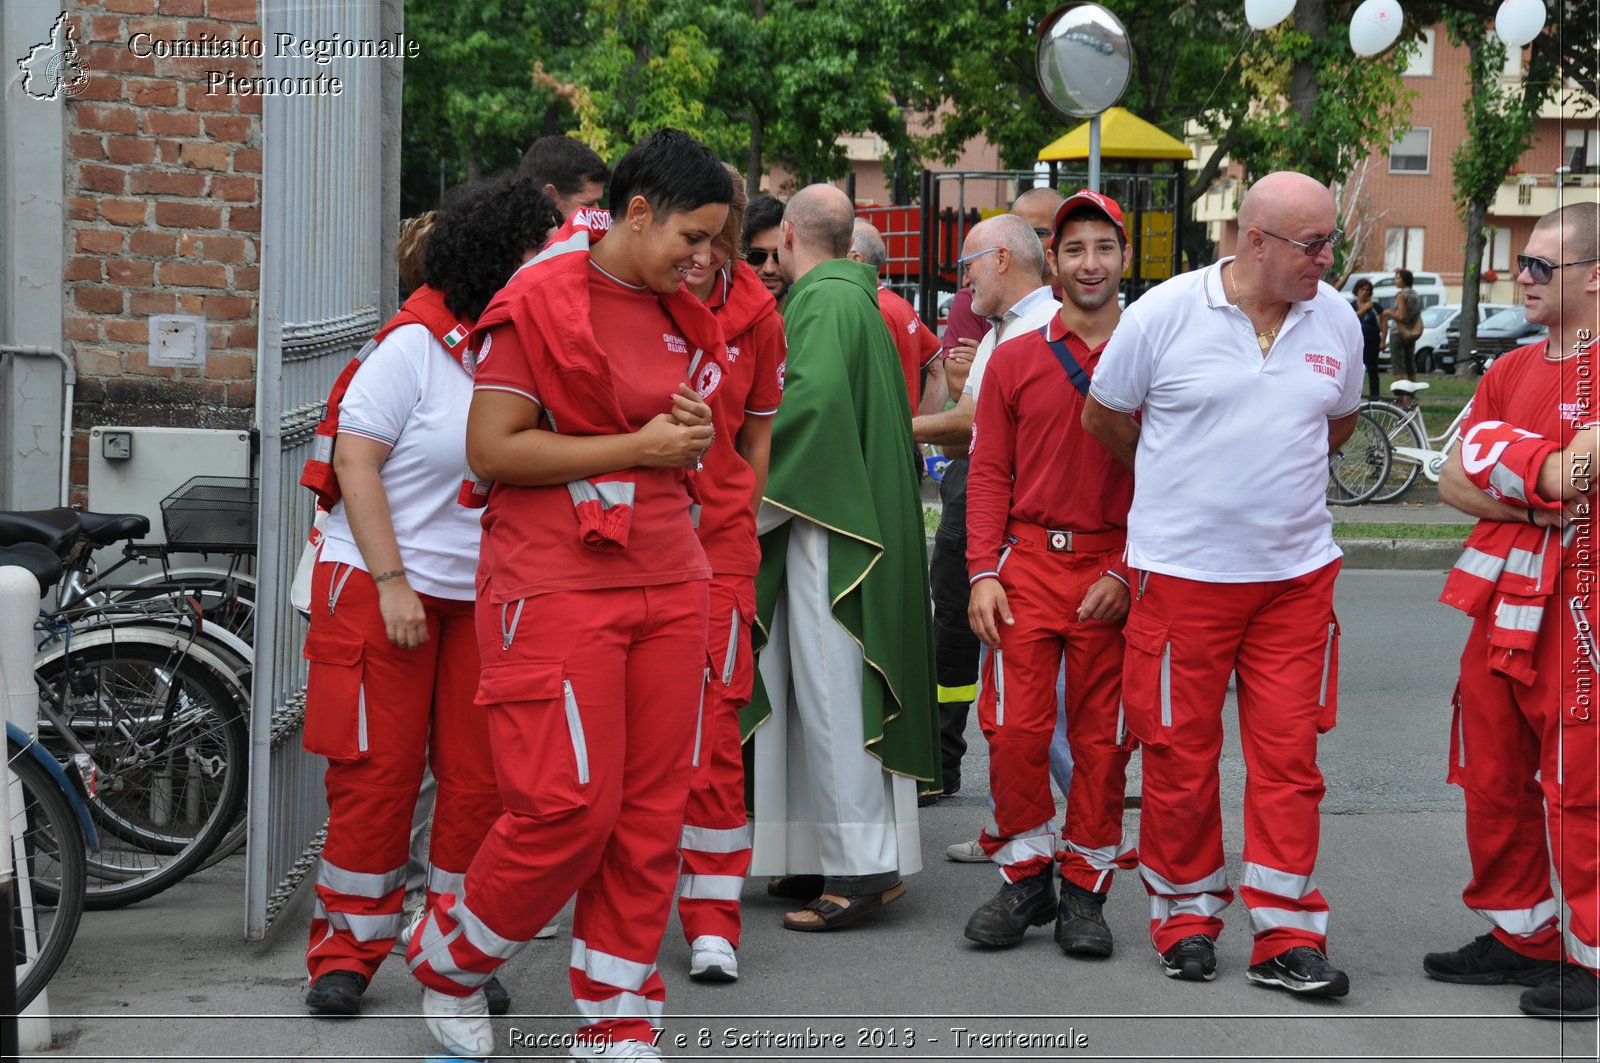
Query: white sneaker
x: 615, y: 1050
x: 967, y: 853
x: 712, y: 959
x: 409, y: 931
x: 459, y: 1024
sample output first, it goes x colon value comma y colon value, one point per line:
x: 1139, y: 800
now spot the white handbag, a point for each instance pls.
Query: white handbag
x: 300, y: 589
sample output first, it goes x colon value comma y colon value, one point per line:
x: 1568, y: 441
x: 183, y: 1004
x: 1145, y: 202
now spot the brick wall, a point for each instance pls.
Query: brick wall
x: 163, y: 201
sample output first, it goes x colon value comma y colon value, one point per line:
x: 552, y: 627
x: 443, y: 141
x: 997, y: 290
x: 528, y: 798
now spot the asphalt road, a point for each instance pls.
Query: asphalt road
x: 171, y: 979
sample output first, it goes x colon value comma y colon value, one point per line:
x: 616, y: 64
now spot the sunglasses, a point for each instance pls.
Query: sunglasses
x: 757, y: 257
x: 1312, y: 248
x: 1541, y: 271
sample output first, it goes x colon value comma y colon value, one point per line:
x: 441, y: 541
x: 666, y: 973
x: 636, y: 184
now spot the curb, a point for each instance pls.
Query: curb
x: 1408, y: 554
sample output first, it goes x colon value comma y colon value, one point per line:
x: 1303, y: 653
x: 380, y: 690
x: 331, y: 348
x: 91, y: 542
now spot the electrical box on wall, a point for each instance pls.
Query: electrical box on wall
x: 131, y: 469
x: 178, y: 340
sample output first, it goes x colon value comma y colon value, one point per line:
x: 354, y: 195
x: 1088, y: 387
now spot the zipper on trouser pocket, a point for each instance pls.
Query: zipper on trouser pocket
x: 700, y: 717
x: 337, y: 587
x: 508, y: 632
x: 580, y: 747
x: 733, y: 648
x: 361, y: 718
x: 1166, y: 684
x: 999, y: 691
x: 1327, y: 665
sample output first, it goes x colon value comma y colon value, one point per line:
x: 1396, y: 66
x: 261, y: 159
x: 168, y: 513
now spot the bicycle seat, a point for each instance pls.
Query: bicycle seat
x: 103, y: 529
x: 57, y: 529
x: 42, y: 564
x: 1408, y: 387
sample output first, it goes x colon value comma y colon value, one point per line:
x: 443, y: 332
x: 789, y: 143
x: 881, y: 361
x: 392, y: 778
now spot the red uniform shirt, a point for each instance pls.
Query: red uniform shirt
x: 530, y: 540
x: 1030, y: 457
x: 1528, y: 391
x: 752, y: 387
x: 915, y: 341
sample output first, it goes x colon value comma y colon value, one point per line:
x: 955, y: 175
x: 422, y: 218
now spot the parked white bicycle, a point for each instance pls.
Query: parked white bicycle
x: 1413, y: 451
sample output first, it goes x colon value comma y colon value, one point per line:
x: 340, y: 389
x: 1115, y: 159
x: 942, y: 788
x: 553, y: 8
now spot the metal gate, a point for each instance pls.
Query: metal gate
x: 329, y: 195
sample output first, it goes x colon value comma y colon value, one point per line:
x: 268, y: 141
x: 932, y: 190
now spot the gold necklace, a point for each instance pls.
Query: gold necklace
x: 1266, y: 339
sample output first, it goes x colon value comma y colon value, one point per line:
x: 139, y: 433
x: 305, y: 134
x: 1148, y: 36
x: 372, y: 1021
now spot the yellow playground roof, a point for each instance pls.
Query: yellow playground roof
x: 1123, y: 135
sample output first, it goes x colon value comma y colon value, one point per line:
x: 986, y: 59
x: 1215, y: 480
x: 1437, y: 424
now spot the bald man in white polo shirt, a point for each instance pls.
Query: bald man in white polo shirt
x: 1246, y: 373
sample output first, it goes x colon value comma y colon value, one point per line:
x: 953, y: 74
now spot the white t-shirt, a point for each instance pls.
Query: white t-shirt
x: 412, y: 394
x: 1033, y: 311
x: 1231, y: 471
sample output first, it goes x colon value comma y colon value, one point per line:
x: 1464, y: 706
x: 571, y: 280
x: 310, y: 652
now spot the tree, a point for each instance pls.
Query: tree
x: 1500, y: 126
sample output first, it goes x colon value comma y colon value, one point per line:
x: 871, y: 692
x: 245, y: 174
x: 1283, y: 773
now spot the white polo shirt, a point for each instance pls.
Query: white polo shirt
x: 413, y: 395
x: 1032, y: 311
x: 1231, y: 471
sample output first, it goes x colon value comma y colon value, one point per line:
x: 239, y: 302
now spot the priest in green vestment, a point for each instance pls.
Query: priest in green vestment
x: 844, y: 715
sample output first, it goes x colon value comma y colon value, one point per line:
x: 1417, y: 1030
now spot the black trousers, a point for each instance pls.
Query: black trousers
x: 955, y: 646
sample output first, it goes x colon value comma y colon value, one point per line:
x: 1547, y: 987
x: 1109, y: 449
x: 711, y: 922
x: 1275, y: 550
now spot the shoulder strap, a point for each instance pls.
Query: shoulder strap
x: 1075, y: 372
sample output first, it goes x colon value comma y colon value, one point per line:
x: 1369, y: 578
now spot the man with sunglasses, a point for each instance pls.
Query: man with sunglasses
x: 761, y: 232
x: 1525, y: 743
x: 1247, y: 374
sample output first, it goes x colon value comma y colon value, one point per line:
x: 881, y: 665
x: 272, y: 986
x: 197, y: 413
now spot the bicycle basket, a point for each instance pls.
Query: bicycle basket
x: 212, y: 512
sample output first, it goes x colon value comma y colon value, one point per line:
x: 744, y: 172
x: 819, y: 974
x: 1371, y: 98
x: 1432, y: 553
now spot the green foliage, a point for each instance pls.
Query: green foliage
x: 1500, y: 119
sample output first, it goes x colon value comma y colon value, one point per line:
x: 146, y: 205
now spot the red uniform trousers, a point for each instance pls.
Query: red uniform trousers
x: 1504, y: 734
x: 1184, y: 638
x: 378, y: 713
x: 716, y: 831
x: 593, y: 699
x: 1017, y: 711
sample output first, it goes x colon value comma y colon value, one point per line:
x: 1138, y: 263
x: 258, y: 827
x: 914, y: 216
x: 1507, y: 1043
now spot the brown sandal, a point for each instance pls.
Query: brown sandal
x: 830, y: 912
x: 795, y: 887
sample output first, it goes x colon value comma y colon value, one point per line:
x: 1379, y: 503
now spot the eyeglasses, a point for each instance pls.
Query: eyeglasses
x: 961, y: 263
x: 1312, y: 248
x: 757, y: 257
x: 1044, y: 234
x: 1541, y: 271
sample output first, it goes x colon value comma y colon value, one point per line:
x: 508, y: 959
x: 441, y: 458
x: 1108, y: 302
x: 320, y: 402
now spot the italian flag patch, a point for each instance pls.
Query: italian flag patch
x: 455, y: 336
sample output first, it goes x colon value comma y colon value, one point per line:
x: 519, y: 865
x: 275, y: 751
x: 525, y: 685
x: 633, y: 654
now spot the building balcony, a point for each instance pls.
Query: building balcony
x: 1219, y: 203
x: 1535, y: 195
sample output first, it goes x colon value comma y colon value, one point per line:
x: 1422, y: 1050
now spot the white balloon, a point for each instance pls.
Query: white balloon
x: 1519, y: 21
x: 1265, y: 14
x: 1375, y: 26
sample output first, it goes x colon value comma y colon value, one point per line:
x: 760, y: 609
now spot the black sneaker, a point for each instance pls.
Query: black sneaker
x: 336, y: 993
x: 1487, y: 960
x: 1571, y: 995
x: 1081, y: 923
x: 1302, y: 969
x: 495, y: 995
x: 1006, y: 916
x: 1194, y: 959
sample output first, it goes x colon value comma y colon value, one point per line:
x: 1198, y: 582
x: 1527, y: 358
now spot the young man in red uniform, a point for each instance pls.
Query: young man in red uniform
x: 1047, y: 512
x: 914, y: 341
x: 716, y: 835
x: 592, y: 602
x: 1525, y: 745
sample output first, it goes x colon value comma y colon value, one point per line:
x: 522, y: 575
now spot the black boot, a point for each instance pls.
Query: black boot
x: 1081, y: 928
x: 1006, y: 916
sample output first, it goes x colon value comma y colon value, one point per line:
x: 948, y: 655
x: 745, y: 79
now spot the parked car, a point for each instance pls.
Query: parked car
x: 1498, y: 334
x: 1428, y: 286
x: 1436, y: 323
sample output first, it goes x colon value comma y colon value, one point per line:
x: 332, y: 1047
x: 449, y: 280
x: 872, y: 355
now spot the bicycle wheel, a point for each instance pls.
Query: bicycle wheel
x: 170, y: 744
x: 1357, y: 469
x: 1402, y: 430
x: 48, y: 847
x: 227, y: 600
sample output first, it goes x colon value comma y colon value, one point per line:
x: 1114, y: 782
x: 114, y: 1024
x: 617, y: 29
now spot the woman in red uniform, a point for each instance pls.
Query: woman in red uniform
x: 592, y: 599
x: 716, y: 837
x: 394, y: 660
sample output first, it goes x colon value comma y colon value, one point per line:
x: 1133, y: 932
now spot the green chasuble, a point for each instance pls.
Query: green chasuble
x: 843, y: 458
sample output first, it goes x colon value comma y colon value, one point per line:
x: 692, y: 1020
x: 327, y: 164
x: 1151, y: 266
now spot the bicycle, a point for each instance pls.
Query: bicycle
x: 160, y: 710
x: 1406, y: 429
x: 51, y: 833
x: 1360, y: 467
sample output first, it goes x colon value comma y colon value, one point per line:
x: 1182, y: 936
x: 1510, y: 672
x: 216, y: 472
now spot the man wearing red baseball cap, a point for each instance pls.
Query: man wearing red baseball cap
x: 1047, y: 512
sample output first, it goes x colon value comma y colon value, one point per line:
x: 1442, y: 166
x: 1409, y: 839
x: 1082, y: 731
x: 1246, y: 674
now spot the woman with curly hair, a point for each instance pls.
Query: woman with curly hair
x: 394, y: 658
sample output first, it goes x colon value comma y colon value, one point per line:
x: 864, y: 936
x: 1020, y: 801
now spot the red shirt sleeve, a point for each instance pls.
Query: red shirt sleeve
x: 503, y: 364
x: 962, y: 323
x: 991, y: 459
x: 767, y: 390
x: 928, y: 344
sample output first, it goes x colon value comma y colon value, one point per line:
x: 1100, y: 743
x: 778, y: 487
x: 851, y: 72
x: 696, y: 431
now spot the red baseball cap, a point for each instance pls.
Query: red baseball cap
x: 1085, y: 198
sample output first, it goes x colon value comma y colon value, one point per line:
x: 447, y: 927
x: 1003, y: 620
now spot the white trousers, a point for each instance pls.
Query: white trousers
x: 823, y: 805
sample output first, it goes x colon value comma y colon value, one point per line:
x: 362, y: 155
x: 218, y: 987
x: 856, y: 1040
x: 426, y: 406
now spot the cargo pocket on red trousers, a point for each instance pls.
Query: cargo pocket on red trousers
x: 1328, y: 691
x: 1147, y: 678
x: 336, y: 703
x: 536, y: 730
